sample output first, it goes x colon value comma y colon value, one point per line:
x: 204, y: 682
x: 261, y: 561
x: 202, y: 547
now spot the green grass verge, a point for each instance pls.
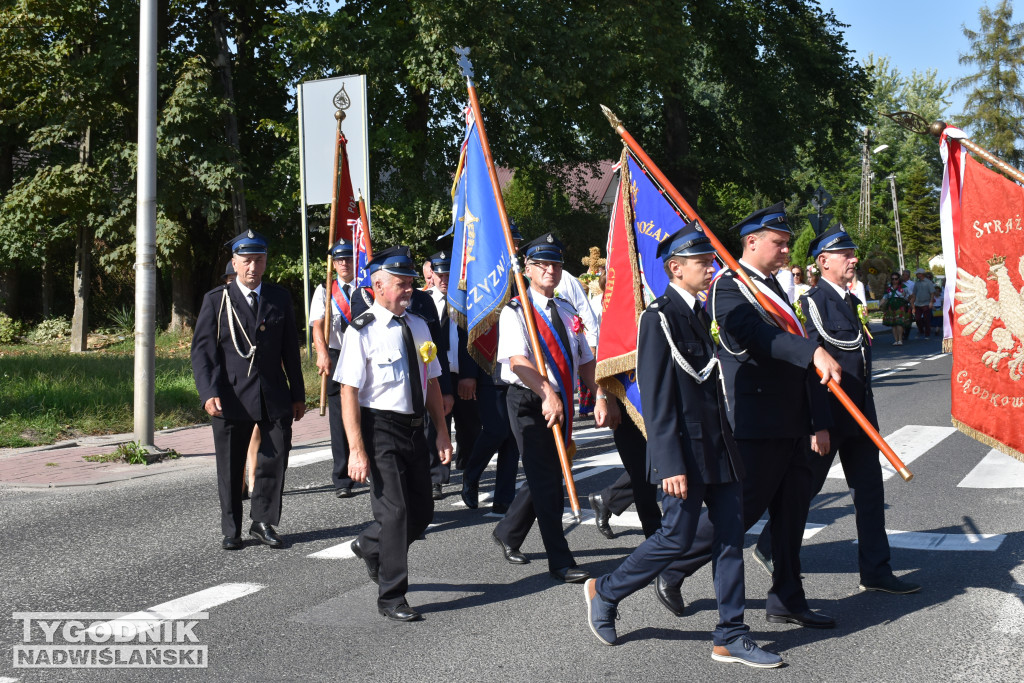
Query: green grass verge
x: 49, y: 394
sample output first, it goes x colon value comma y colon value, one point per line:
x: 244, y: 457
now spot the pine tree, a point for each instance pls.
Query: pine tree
x: 994, y: 111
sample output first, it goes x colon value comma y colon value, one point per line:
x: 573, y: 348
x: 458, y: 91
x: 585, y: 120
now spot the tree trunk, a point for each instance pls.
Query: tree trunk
x: 677, y: 149
x: 83, y: 273
x: 83, y: 263
x: 223, y: 64
x: 182, y: 296
x: 9, y: 291
x: 47, y: 285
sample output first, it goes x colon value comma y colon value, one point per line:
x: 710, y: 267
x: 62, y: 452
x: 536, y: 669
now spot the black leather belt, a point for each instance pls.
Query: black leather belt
x: 398, y: 418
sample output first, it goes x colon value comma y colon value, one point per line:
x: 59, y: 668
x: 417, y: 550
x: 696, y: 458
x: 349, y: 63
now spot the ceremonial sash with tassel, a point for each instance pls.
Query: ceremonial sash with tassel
x: 341, y: 302
x: 560, y: 359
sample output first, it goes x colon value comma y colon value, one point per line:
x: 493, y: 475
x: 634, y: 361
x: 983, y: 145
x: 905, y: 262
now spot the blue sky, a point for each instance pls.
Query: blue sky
x: 914, y: 34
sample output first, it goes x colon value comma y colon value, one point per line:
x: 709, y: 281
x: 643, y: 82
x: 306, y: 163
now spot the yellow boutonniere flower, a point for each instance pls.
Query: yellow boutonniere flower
x: 715, y: 334
x: 428, y: 351
x: 862, y: 313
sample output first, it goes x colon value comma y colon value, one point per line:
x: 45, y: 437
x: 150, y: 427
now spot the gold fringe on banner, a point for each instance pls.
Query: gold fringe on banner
x: 947, y: 345
x: 987, y: 440
x: 615, y: 388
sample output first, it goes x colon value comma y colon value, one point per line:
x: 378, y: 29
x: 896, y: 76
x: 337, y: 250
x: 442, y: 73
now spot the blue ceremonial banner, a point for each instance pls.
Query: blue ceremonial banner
x: 479, y: 285
x: 654, y: 219
x: 641, y: 218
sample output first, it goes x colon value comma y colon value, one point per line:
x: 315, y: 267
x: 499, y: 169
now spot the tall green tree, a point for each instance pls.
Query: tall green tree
x: 994, y: 109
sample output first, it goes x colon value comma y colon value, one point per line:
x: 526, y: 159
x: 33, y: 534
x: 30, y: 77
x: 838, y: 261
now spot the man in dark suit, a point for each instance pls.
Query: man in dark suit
x: 690, y: 453
x: 766, y: 370
x: 489, y: 392
x: 245, y: 360
x: 832, y: 312
x: 463, y: 412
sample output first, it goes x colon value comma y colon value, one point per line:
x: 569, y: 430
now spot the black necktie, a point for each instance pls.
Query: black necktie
x: 412, y: 355
x: 852, y: 304
x: 556, y: 322
x: 777, y: 288
x: 702, y: 316
x: 253, y: 302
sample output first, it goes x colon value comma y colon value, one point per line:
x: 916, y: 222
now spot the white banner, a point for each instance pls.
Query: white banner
x: 318, y: 101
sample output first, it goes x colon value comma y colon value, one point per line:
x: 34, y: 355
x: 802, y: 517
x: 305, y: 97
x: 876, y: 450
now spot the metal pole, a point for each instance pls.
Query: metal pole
x: 145, y: 231
x: 864, y: 216
x: 305, y: 231
x: 896, y: 217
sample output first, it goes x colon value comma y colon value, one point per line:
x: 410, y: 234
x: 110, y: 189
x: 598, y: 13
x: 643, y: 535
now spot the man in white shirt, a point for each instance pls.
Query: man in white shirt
x: 536, y: 402
x: 388, y: 370
x: 327, y: 352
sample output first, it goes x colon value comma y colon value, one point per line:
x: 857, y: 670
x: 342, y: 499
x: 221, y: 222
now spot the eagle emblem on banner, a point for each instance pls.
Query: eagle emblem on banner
x: 978, y: 313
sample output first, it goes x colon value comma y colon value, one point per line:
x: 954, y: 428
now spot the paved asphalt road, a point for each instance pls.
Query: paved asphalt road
x: 284, y: 615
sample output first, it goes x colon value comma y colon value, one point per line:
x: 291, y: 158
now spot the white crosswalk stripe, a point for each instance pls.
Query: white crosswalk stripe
x: 910, y: 442
x: 921, y: 540
x: 995, y: 471
x: 179, y: 608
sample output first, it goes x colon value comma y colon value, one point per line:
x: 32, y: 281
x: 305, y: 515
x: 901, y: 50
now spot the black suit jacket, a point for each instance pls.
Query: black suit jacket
x: 219, y: 370
x: 422, y: 304
x: 839, y: 322
x: 766, y: 383
x: 687, y: 431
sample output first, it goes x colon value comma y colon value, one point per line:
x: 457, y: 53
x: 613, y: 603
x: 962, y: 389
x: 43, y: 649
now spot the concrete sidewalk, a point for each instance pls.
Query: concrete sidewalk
x: 63, y: 464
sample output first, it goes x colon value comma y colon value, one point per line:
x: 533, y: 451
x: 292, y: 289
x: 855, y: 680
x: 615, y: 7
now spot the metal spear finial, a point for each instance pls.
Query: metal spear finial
x: 610, y: 115
x: 464, y: 64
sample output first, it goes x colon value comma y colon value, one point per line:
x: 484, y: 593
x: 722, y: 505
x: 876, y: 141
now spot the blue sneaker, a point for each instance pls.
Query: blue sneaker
x: 601, y: 614
x: 745, y: 651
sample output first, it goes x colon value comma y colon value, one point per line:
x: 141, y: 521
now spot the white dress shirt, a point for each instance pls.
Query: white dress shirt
x: 571, y: 289
x: 513, y: 340
x: 316, y: 314
x: 373, y: 360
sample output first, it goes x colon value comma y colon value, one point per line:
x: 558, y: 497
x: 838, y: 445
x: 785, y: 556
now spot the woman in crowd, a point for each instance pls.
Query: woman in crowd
x: 896, y: 308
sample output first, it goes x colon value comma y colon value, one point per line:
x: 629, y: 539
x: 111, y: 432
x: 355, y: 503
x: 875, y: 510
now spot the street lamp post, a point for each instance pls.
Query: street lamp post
x: 896, y: 218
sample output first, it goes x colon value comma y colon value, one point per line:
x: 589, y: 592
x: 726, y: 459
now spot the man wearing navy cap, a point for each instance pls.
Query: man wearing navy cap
x: 327, y: 352
x: 388, y: 370
x: 245, y: 360
x: 690, y: 453
x: 536, y: 402
x: 832, y: 312
x: 463, y: 412
x: 766, y: 371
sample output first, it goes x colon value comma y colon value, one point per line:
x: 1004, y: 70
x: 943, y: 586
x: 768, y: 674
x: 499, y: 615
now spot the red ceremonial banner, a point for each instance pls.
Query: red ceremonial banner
x: 988, y: 320
x: 348, y: 207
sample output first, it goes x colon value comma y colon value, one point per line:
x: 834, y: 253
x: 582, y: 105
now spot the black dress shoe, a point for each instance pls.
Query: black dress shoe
x: 570, y: 574
x: 343, y: 492
x: 231, y: 543
x: 890, y: 584
x: 469, y: 496
x: 601, y: 515
x: 400, y: 613
x: 670, y: 596
x: 511, y: 554
x: 499, y: 509
x: 437, y: 493
x: 266, y: 534
x: 371, y: 567
x: 807, y: 619
x: 245, y: 493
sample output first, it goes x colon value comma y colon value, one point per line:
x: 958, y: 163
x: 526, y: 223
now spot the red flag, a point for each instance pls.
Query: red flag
x: 622, y: 304
x: 347, y: 210
x: 988, y: 315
